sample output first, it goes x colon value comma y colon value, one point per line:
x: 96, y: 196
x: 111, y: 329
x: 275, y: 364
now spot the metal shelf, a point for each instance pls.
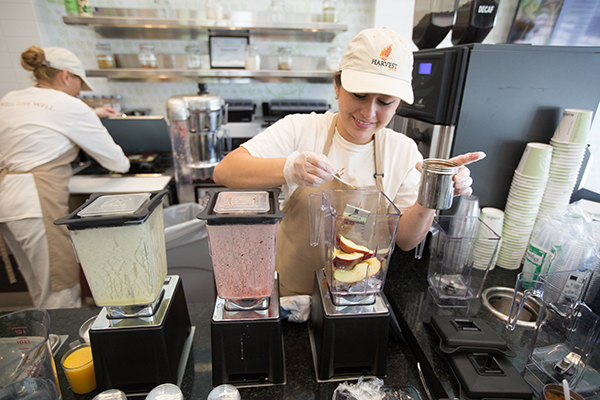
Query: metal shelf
x: 184, y: 24
x: 209, y: 75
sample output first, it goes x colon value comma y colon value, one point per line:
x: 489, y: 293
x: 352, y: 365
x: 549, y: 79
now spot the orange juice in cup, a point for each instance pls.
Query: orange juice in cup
x: 79, y: 369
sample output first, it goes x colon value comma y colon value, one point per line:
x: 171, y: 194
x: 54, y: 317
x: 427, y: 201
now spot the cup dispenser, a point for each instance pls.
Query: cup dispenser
x: 567, y: 331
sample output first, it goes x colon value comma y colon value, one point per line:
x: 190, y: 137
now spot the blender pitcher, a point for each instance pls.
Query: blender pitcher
x: 358, y: 230
x: 27, y: 369
x: 567, y: 330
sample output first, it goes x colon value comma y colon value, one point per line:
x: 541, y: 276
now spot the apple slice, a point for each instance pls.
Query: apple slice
x: 361, y: 271
x: 346, y: 260
x: 349, y: 246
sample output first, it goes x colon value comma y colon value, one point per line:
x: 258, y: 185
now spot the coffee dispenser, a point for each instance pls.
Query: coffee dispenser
x: 349, y: 320
x: 246, y: 331
x: 197, y: 139
x: 142, y: 336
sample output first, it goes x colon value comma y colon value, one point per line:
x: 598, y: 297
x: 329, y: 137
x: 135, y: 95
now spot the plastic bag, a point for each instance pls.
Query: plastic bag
x: 182, y: 226
x: 374, y: 389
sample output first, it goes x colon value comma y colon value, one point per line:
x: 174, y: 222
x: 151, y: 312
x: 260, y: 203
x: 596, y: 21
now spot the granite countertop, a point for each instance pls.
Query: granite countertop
x: 197, y: 381
x: 406, y: 290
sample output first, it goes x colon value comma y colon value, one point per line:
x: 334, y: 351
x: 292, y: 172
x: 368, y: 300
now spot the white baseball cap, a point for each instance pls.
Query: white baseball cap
x: 60, y: 58
x: 378, y: 61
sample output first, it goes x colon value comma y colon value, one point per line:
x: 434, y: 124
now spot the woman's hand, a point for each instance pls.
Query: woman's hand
x: 462, y: 179
x: 307, y: 169
x: 105, y: 112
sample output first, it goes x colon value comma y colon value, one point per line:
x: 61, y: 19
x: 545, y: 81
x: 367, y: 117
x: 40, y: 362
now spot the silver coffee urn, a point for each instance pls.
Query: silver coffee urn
x: 197, y: 139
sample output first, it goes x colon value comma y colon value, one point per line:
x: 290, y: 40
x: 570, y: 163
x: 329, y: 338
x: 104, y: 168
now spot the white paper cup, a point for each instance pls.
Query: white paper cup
x: 535, y: 160
x: 574, y: 126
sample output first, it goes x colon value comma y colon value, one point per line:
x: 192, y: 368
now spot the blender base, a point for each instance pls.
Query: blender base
x: 137, y: 354
x: 247, y: 346
x: 333, y: 331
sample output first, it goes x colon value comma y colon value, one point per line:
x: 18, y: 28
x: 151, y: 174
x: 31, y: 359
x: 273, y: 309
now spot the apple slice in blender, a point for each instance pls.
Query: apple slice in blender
x: 346, y: 260
x: 349, y: 246
x: 361, y: 271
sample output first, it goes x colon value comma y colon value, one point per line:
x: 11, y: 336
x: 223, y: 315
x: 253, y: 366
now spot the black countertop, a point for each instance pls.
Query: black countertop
x: 406, y: 290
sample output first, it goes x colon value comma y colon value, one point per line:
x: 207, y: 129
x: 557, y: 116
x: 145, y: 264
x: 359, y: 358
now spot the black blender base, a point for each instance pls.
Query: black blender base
x: 136, y: 358
x: 346, y: 346
x: 248, y: 353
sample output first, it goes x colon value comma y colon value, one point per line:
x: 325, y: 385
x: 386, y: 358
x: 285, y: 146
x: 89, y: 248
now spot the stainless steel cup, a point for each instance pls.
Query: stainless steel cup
x: 437, y: 187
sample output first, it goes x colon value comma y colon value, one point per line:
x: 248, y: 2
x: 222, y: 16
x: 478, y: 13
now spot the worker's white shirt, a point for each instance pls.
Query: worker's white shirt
x: 36, y: 126
x: 302, y: 132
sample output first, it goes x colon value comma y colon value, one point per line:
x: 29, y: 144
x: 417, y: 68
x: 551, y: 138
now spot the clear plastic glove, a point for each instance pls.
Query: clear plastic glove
x: 307, y: 169
x: 462, y: 179
x: 295, y: 308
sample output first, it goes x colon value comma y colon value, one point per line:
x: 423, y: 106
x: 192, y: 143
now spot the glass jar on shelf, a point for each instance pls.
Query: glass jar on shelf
x: 284, y: 58
x: 104, y: 56
x: 147, y: 55
x: 116, y: 103
x: 192, y: 56
x: 252, y: 58
x: 330, y: 13
x: 334, y: 56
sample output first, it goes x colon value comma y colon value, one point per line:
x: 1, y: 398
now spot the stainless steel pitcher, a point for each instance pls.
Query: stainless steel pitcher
x: 197, y: 138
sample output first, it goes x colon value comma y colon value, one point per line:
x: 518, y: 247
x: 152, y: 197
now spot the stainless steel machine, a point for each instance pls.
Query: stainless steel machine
x: 142, y: 336
x: 246, y: 331
x: 197, y: 138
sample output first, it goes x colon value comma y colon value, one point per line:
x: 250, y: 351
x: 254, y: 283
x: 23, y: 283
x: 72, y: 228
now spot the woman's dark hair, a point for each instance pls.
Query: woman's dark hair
x: 337, y: 77
x: 34, y: 59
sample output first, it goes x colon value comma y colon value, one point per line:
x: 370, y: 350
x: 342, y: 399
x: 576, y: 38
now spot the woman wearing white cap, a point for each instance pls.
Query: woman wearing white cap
x: 42, y: 129
x: 302, y: 152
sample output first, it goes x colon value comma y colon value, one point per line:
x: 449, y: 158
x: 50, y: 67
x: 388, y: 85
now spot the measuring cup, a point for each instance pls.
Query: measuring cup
x: 27, y: 369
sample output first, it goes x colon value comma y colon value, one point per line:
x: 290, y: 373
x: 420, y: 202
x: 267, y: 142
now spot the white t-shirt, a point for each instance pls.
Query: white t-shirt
x: 36, y: 126
x: 308, y: 132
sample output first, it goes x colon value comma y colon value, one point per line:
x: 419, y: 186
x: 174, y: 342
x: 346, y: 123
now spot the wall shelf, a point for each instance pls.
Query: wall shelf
x: 209, y: 75
x: 190, y: 24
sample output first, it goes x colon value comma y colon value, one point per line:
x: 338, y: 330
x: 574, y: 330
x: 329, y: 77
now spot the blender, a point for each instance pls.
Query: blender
x: 142, y: 336
x: 246, y: 331
x: 349, y: 311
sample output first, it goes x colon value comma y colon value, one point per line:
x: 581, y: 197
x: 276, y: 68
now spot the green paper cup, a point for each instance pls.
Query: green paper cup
x: 574, y: 126
x: 535, y: 161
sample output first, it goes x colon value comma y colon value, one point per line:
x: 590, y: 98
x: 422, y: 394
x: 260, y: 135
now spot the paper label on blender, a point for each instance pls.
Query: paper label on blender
x: 356, y: 214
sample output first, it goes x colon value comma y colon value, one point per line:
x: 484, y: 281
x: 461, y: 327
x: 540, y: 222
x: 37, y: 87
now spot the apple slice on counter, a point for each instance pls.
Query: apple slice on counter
x: 361, y: 271
x: 348, y: 246
x: 346, y: 260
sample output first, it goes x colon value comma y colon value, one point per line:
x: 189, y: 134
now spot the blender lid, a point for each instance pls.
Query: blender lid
x: 117, y: 204
x: 268, y: 206
x: 242, y: 203
x: 132, y: 214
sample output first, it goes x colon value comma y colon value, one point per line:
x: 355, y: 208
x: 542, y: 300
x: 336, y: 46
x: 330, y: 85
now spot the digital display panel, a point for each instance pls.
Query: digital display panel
x: 425, y: 68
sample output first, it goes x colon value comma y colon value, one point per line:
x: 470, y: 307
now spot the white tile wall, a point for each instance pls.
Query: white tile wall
x: 18, y: 31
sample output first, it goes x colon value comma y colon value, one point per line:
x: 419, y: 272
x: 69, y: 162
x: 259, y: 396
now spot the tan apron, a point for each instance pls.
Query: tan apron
x: 296, y: 260
x: 52, y: 184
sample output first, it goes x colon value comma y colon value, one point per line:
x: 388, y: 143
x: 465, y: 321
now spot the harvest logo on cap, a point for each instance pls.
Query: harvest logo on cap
x: 384, y: 57
x: 378, y: 61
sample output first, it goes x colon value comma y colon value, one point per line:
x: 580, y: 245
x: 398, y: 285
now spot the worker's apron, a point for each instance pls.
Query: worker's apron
x: 296, y: 260
x: 52, y: 184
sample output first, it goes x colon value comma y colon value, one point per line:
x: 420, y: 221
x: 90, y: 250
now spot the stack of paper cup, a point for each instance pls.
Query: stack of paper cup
x: 486, y: 250
x: 523, y: 203
x: 569, y: 143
